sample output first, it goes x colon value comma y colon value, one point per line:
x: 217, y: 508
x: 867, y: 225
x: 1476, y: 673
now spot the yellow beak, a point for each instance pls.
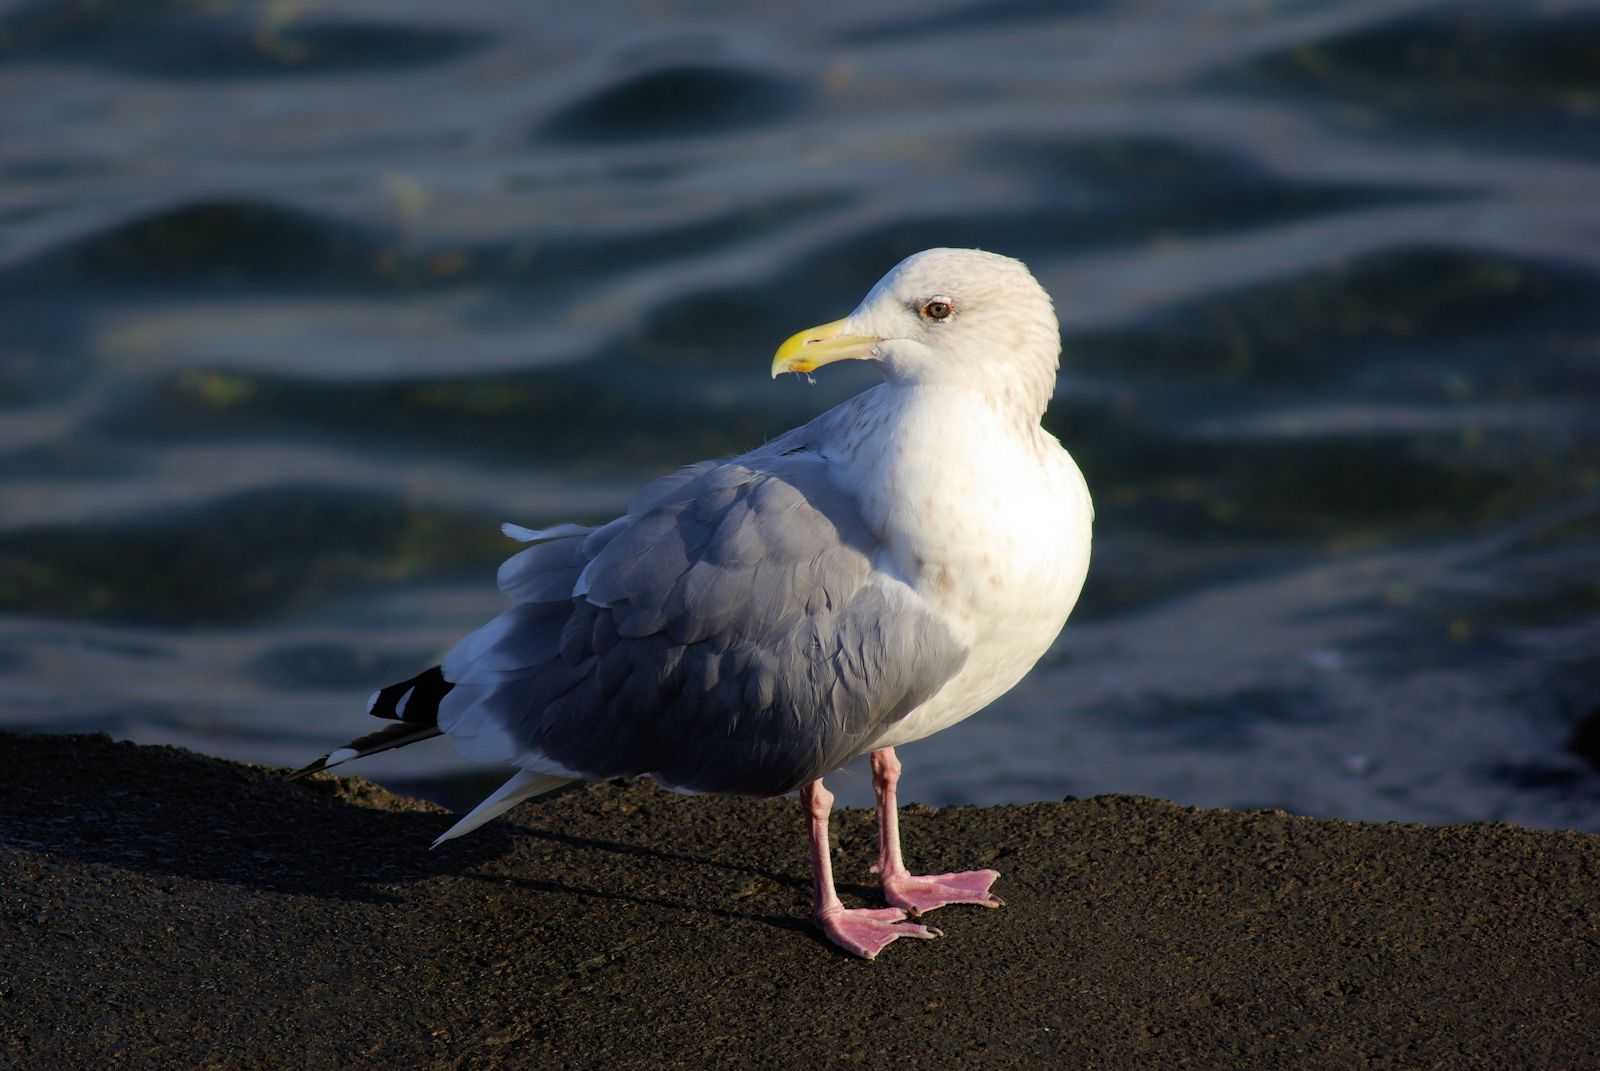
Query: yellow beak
x: 808, y: 350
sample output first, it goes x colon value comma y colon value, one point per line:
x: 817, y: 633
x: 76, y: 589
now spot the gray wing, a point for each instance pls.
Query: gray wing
x: 728, y: 634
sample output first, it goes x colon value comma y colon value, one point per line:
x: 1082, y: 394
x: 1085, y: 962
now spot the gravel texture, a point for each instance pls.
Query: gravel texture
x: 163, y: 909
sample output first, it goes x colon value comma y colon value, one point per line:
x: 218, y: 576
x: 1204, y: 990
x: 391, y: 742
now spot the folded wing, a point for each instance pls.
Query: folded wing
x: 729, y: 633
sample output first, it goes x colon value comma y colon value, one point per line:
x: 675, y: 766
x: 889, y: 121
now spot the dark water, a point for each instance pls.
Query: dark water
x: 300, y: 300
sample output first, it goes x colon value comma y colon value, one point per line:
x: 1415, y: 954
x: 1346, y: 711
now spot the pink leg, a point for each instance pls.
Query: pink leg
x: 863, y: 931
x: 902, y: 888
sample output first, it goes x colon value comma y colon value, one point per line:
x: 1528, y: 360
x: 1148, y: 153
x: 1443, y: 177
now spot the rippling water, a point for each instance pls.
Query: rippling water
x: 300, y: 300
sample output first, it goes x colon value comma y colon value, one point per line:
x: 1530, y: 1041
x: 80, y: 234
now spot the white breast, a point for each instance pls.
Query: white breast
x: 990, y: 523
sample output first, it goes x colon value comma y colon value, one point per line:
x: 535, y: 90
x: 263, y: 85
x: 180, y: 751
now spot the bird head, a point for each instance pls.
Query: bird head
x: 944, y: 316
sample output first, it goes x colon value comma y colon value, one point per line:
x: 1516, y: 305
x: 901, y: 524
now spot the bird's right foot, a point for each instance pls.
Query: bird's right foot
x: 866, y: 931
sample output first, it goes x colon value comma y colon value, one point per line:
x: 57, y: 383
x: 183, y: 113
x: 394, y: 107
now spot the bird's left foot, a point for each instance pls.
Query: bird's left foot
x: 866, y: 931
x: 918, y: 894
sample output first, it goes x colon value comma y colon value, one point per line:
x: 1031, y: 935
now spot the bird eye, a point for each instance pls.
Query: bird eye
x: 939, y: 308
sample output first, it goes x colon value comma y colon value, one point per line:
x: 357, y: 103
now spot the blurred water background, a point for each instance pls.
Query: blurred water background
x: 299, y: 300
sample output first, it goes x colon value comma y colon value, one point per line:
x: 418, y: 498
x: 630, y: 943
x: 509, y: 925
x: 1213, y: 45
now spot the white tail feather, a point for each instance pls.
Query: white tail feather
x: 523, y: 785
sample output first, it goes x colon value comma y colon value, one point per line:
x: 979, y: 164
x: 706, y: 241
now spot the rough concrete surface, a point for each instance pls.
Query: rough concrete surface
x: 163, y: 909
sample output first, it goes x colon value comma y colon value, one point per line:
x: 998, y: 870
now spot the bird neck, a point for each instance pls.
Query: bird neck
x: 1018, y: 391
x: 1021, y: 392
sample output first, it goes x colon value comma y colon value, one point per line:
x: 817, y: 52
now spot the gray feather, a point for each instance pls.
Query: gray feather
x: 730, y: 635
x: 544, y: 571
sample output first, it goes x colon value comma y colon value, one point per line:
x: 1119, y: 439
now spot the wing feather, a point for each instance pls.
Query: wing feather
x: 728, y: 634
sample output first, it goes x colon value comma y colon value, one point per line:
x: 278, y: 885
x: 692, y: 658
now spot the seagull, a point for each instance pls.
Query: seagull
x: 751, y: 624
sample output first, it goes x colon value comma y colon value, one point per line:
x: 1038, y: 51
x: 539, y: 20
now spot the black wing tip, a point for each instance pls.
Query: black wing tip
x: 338, y: 756
x: 308, y: 769
x: 385, y: 739
x: 414, y: 701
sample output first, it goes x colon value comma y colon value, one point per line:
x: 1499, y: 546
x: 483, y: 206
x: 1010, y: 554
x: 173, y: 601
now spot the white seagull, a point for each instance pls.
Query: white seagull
x: 753, y: 623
